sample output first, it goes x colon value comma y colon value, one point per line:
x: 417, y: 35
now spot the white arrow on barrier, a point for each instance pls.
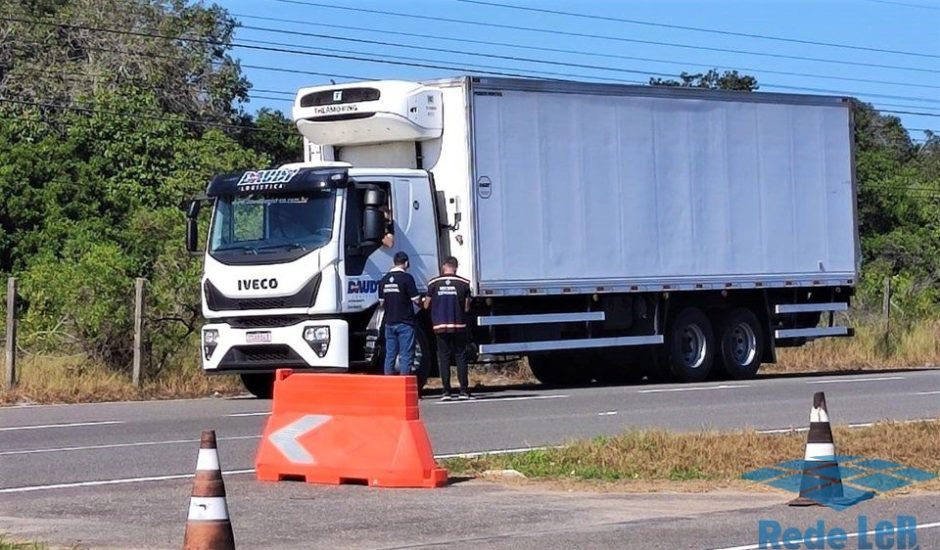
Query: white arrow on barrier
x: 285, y: 439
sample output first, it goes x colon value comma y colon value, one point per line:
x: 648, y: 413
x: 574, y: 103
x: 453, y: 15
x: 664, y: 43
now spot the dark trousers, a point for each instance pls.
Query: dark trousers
x: 452, y: 345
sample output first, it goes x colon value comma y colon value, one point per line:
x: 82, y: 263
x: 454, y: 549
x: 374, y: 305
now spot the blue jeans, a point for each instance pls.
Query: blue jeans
x: 399, y: 342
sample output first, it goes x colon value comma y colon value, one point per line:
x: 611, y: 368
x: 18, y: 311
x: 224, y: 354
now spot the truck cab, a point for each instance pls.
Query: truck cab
x: 294, y: 254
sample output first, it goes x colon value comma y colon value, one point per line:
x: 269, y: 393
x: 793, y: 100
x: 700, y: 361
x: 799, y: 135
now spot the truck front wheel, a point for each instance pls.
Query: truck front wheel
x: 424, y: 357
x: 259, y: 384
x: 689, y: 350
x: 742, y: 344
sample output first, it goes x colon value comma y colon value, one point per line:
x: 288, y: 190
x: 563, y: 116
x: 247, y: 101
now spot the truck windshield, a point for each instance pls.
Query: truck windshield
x: 264, y: 229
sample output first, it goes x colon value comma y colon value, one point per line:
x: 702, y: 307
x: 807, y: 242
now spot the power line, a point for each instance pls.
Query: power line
x: 696, y: 29
x: 445, y: 50
x: 905, y: 4
x: 414, y: 62
x: 902, y: 106
x: 356, y: 56
x: 151, y: 116
x: 561, y: 50
x: 254, y: 92
x: 909, y: 113
x: 434, y: 64
x: 556, y: 32
x: 498, y: 71
x: 528, y: 59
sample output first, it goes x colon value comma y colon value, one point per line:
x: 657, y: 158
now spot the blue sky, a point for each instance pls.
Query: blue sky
x: 907, y: 82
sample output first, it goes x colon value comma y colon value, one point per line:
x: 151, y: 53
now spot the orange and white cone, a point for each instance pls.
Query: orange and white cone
x: 208, y: 526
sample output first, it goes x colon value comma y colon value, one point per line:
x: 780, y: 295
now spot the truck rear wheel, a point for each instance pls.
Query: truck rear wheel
x: 742, y: 344
x: 259, y: 384
x: 561, y: 368
x: 689, y: 349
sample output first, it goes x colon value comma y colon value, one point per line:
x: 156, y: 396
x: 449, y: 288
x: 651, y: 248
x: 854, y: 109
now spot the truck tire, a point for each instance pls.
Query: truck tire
x: 259, y: 384
x: 561, y: 368
x: 742, y: 344
x: 424, y: 360
x: 424, y: 357
x: 689, y: 350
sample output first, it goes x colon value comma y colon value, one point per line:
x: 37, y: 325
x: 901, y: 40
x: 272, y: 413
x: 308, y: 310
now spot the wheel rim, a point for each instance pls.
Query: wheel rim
x: 743, y: 344
x: 694, y: 346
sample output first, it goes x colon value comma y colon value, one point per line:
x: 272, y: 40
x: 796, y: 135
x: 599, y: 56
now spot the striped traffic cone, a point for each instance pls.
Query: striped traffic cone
x: 208, y: 526
x: 822, y: 481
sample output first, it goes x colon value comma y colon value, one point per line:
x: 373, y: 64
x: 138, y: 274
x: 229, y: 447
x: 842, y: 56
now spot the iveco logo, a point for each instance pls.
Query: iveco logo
x: 257, y: 284
x: 338, y: 95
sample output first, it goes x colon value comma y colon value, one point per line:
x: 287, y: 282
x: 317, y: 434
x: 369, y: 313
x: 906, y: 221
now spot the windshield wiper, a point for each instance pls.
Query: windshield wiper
x: 246, y: 249
x: 288, y: 246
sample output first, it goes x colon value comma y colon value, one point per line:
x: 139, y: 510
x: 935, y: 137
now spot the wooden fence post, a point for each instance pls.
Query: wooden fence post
x: 138, y: 329
x: 886, y: 313
x: 10, y: 357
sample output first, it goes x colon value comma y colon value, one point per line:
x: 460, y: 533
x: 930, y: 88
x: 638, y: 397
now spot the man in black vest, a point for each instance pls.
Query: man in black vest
x: 449, y: 300
x: 399, y: 293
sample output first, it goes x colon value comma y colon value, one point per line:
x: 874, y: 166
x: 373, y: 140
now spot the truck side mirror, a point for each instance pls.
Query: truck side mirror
x: 374, y: 197
x: 373, y: 225
x: 192, y: 227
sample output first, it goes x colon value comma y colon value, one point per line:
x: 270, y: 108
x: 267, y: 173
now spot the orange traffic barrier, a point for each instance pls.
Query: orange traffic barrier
x: 346, y: 428
x: 208, y: 526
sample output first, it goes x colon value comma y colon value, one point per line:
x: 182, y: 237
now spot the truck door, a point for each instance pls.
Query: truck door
x: 416, y: 231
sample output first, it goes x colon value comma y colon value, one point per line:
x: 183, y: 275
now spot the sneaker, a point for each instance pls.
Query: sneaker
x: 447, y: 397
x: 466, y: 397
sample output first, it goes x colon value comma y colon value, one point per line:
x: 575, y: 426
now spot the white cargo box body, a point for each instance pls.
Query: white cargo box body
x: 586, y: 187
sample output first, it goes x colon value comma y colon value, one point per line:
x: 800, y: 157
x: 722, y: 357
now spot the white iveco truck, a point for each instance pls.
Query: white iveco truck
x: 608, y: 232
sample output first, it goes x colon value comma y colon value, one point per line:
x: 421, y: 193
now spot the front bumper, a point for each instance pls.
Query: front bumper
x: 286, y: 348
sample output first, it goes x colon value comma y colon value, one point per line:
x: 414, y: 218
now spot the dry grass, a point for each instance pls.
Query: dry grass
x: 914, y: 346
x: 6, y: 544
x: 483, y: 375
x: 73, y: 379
x: 657, y: 460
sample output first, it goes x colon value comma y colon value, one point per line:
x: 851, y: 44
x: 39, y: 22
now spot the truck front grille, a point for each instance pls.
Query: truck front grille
x: 263, y: 322
x: 269, y: 355
x: 306, y: 297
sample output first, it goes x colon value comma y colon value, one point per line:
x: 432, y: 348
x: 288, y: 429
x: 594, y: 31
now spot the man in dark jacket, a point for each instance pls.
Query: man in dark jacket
x: 449, y: 300
x: 398, y: 293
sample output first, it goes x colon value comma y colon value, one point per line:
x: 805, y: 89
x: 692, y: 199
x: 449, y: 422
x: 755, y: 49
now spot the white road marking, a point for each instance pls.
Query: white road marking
x: 697, y: 388
x: 262, y: 413
x: 783, y: 430
x: 927, y: 393
x: 123, y: 481
x: 72, y: 425
x: 501, y: 399
x: 496, y: 452
x: 828, y: 537
x: 608, y: 413
x: 857, y: 425
x: 840, y: 380
x: 120, y: 445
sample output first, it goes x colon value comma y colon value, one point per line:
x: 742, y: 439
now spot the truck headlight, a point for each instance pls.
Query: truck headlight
x: 318, y: 338
x: 210, y: 339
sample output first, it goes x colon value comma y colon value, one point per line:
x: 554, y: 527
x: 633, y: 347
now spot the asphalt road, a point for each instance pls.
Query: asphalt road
x: 114, y: 473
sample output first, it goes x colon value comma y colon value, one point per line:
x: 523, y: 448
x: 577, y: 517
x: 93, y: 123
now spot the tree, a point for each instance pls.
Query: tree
x: 728, y: 80
x: 61, y: 51
x: 275, y: 134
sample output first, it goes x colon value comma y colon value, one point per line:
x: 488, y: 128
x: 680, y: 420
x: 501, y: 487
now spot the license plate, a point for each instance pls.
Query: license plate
x: 258, y: 337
